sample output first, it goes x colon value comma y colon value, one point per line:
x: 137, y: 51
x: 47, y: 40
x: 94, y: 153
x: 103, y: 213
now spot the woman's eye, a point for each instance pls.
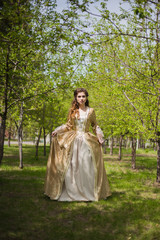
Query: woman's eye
x: 81, y: 96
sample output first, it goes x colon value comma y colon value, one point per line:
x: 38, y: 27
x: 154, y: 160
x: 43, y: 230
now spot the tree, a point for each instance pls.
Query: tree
x: 30, y: 36
x: 131, y: 65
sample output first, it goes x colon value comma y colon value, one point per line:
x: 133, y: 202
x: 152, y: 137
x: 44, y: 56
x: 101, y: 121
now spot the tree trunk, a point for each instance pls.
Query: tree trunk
x: 158, y: 161
x: 9, y: 137
x: 20, y: 146
x: 115, y: 142
x: 158, y: 114
x: 44, y: 137
x: 111, y: 146
x: 137, y: 143
x: 19, y: 128
x: 143, y: 144
x: 120, y: 148
x: 37, y: 142
x: 2, y: 135
x: 134, y: 141
x: 124, y: 143
x: 104, y: 145
x: 4, y: 114
x: 140, y: 143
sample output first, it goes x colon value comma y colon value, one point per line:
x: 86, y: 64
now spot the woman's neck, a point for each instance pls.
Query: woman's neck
x: 82, y: 107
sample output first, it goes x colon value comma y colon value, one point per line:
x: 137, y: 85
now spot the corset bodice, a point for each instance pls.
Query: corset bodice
x: 81, y: 122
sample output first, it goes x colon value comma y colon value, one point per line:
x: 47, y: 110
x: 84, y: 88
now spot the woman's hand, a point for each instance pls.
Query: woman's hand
x: 101, y: 141
x: 54, y: 133
x: 100, y: 138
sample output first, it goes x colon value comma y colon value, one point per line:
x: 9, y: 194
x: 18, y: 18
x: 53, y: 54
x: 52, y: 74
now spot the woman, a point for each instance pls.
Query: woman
x: 75, y: 168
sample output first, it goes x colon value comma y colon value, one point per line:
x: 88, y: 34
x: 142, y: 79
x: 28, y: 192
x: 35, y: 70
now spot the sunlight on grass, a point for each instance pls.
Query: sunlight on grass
x: 131, y: 213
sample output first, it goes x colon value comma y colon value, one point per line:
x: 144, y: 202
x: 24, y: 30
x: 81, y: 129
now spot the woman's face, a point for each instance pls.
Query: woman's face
x: 81, y: 98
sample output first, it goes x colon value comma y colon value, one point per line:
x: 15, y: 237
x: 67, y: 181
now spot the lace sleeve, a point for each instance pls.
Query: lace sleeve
x: 96, y: 129
x: 63, y: 128
x: 100, y: 134
x: 60, y: 129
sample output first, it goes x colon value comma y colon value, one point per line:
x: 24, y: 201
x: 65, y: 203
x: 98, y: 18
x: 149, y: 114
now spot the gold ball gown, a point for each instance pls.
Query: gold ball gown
x: 75, y: 168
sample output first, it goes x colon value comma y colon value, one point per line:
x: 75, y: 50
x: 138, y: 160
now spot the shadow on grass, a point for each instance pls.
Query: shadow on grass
x: 11, y: 156
x: 27, y: 214
x: 131, y: 213
x: 143, y: 162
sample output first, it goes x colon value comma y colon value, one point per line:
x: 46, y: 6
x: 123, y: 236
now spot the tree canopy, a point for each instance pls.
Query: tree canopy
x: 45, y: 54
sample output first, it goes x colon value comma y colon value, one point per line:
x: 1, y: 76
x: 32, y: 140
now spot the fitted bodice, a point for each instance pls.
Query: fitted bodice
x: 81, y: 122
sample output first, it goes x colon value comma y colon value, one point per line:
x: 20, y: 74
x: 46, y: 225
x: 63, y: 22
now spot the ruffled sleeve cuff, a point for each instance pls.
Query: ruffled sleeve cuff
x: 99, y: 134
x: 61, y: 129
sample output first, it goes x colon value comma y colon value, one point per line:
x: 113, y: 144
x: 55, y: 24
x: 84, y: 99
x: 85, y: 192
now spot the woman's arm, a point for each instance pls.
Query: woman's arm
x: 63, y: 128
x: 96, y: 129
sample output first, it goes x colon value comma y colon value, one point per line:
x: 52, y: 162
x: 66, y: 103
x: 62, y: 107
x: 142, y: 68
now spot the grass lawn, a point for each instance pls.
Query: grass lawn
x: 131, y: 213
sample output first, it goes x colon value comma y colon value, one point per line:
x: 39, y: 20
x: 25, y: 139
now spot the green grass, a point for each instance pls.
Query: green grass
x: 131, y: 213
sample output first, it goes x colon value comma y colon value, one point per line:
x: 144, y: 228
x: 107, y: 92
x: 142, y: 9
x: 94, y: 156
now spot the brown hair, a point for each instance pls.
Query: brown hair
x: 75, y: 105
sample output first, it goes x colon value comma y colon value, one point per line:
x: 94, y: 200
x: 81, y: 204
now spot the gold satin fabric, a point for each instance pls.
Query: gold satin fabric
x: 60, y: 156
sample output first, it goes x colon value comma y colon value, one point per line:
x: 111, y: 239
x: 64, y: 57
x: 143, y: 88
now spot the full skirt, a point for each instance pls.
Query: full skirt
x: 75, y: 168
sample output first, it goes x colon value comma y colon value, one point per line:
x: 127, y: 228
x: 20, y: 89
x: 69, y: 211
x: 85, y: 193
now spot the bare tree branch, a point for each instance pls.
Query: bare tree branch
x: 30, y: 97
x: 134, y: 107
